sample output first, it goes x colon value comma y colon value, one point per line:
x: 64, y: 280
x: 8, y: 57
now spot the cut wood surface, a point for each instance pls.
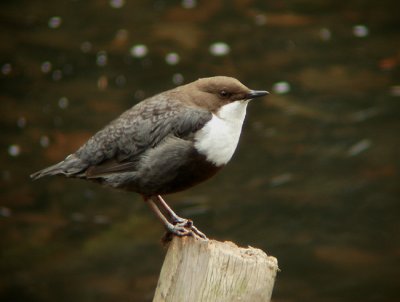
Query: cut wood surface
x: 199, y: 270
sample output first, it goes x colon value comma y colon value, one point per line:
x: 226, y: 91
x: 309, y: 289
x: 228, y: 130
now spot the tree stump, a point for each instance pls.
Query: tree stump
x: 198, y: 270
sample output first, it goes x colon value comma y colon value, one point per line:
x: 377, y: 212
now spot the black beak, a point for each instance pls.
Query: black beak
x: 256, y: 93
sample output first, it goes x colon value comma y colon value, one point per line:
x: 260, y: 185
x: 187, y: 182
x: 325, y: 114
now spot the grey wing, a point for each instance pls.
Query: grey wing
x: 118, y: 146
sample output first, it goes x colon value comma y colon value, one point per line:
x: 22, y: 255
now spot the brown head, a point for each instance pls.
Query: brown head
x: 214, y: 92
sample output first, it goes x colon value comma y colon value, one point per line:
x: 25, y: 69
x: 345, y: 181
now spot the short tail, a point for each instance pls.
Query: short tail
x: 68, y: 167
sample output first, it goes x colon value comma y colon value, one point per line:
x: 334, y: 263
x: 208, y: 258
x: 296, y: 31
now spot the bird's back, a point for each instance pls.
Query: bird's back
x: 122, y: 153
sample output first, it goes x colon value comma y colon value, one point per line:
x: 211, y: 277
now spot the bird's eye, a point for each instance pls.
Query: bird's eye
x: 224, y: 94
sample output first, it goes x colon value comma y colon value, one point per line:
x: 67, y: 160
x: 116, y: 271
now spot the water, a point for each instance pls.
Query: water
x: 314, y: 182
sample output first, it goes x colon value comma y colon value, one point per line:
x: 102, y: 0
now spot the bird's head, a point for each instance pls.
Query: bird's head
x: 215, y: 92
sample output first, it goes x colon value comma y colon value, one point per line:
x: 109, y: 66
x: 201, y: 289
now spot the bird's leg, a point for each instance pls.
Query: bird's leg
x: 177, y: 229
x: 176, y: 220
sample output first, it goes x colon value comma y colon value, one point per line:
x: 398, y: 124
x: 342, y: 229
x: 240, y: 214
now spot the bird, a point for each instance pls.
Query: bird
x: 165, y: 144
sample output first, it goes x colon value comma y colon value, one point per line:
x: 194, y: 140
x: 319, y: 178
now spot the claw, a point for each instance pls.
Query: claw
x: 176, y: 225
x: 178, y: 230
x: 186, y: 228
x: 178, y: 220
x: 198, y: 233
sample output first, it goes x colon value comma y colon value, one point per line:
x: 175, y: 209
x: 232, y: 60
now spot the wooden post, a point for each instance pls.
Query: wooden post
x: 208, y: 271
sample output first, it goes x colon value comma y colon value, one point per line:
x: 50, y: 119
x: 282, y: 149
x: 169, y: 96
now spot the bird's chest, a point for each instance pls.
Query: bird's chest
x: 218, y: 139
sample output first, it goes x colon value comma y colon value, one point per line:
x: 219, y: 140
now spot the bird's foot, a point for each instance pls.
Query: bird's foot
x: 184, y: 227
x: 178, y: 230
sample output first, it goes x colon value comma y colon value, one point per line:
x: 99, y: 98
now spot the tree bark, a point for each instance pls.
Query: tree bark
x: 198, y: 270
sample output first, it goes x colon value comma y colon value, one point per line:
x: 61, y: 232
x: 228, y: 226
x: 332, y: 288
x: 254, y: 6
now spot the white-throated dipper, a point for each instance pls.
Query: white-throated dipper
x: 165, y: 144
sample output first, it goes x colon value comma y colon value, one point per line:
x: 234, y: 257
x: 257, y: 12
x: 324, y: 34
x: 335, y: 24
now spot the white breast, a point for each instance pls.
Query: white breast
x: 218, y: 139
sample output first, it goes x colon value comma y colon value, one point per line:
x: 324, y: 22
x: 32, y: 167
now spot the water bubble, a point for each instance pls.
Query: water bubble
x: 139, y: 94
x: 46, y: 67
x: 139, y: 51
x: 270, y: 132
x: 101, y: 58
x: 5, y: 175
x: 21, y: 122
x: 58, y: 121
x: 55, y: 22
x: 14, y: 150
x: 281, y: 179
x: 78, y: 217
x: 219, y: 49
x: 146, y: 62
x: 68, y: 69
x: 260, y: 19
x: 360, y: 31
x: 395, y: 90
x: 172, y: 58
x: 359, y: 147
x: 63, y: 102
x: 177, y: 79
x: 46, y: 108
x: 188, y: 4
x: 57, y: 75
x: 89, y: 194
x: 5, y: 212
x: 86, y: 47
x: 117, y: 3
x: 102, y: 82
x: 44, y: 141
x: 364, y: 114
x: 281, y: 87
x: 101, y: 219
x: 6, y: 69
x: 122, y: 35
x: 325, y: 34
x: 120, y: 80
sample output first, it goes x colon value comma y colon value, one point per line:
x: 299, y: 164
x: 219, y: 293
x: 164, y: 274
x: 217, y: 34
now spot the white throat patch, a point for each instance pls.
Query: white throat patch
x: 218, y: 139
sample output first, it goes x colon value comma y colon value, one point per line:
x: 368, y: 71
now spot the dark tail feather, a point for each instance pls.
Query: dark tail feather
x: 49, y: 171
x: 68, y: 167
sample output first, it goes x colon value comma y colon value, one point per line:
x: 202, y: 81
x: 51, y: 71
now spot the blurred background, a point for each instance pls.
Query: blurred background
x: 315, y: 179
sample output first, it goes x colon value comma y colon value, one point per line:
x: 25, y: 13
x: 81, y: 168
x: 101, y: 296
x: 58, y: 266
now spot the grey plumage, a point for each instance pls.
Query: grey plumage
x: 68, y: 167
x: 122, y: 152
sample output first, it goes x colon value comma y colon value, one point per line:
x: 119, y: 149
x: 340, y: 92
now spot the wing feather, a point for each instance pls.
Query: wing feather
x: 117, y: 147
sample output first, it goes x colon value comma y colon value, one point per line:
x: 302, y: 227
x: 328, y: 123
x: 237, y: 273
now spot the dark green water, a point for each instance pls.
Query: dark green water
x: 315, y: 179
